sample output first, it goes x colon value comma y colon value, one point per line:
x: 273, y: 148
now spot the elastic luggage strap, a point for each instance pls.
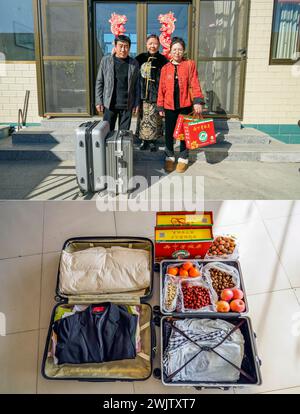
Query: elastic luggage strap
x: 208, y: 349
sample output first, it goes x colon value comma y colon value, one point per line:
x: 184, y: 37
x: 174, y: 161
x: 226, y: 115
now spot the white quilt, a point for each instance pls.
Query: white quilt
x: 101, y: 270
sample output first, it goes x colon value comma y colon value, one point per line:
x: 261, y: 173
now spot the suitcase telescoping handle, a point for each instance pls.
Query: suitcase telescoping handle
x: 119, y: 151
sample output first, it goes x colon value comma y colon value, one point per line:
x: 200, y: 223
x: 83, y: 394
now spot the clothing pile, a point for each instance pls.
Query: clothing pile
x: 100, y: 270
x: 96, y: 333
x: 203, y: 350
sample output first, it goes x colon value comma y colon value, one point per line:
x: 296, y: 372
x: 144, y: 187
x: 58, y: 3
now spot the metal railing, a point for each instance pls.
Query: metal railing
x: 22, y: 114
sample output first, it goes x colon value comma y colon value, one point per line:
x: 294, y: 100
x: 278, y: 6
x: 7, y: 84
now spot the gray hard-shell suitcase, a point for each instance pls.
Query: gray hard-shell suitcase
x: 119, y: 161
x: 251, y: 361
x: 137, y: 369
x: 90, y: 155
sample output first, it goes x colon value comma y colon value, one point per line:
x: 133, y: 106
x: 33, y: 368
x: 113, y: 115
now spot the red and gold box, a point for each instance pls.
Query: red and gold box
x: 184, y: 218
x: 182, y: 242
x: 200, y: 133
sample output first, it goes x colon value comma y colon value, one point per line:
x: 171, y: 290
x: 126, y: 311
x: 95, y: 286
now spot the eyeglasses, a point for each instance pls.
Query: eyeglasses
x: 180, y: 52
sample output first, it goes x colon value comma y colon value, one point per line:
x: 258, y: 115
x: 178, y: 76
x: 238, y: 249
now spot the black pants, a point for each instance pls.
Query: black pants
x: 170, y: 123
x: 112, y: 115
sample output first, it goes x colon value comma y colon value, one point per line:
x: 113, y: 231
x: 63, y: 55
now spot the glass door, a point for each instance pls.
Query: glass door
x: 221, y: 52
x: 103, y: 35
x: 182, y: 13
x: 63, y: 57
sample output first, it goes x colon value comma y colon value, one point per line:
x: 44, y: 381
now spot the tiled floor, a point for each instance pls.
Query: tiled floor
x: 31, y: 237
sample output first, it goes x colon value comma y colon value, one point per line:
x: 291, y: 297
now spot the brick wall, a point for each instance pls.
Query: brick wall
x: 271, y: 91
x: 15, y: 79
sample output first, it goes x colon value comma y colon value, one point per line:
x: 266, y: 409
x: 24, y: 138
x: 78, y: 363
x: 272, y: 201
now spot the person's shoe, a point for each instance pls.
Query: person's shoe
x: 152, y: 147
x: 169, y: 165
x: 181, y: 167
x: 144, y: 146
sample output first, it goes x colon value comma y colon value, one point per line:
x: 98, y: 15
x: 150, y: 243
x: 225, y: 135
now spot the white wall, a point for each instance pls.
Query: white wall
x: 15, y: 79
x: 272, y: 91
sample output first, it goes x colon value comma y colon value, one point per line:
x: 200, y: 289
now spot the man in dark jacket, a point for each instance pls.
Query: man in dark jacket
x: 117, y: 85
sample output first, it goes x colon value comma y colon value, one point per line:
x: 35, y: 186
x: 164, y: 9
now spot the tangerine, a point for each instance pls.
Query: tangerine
x: 194, y: 272
x: 173, y: 271
x: 183, y: 273
x: 187, y: 265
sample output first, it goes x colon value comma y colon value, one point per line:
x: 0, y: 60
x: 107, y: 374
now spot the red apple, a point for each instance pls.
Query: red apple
x: 237, y: 305
x: 227, y: 294
x: 223, y: 306
x: 237, y: 293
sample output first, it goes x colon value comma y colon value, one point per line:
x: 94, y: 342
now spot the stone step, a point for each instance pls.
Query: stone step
x: 212, y: 154
x: 4, y: 131
x: 41, y: 135
x: 65, y: 123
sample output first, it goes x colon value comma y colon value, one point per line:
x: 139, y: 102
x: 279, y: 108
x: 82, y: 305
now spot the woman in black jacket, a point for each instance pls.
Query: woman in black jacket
x: 151, y: 62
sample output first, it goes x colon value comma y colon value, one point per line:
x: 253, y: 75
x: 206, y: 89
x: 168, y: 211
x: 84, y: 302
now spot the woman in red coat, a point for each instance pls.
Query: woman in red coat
x: 178, y: 81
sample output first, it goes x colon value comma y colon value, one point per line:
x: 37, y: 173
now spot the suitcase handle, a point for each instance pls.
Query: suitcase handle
x: 153, y: 338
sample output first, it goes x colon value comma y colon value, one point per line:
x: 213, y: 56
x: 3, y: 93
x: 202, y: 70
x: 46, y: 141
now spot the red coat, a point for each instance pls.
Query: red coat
x: 186, y: 69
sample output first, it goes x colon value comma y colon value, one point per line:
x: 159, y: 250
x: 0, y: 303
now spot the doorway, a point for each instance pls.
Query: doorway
x: 142, y: 19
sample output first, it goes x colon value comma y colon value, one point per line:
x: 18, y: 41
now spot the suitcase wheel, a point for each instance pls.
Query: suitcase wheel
x: 157, y: 373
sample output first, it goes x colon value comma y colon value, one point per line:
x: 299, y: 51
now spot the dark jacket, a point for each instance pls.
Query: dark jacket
x: 105, y: 83
x: 88, y: 337
x: 157, y: 63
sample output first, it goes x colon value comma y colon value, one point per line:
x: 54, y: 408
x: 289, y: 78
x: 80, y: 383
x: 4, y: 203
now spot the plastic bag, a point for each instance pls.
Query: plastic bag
x: 196, y: 295
x: 221, y: 276
x: 223, y: 247
x: 170, y: 293
x: 192, y: 271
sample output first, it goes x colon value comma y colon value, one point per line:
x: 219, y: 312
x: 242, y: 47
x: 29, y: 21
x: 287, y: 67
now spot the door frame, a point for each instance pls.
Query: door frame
x: 141, y: 24
x: 39, y: 9
x: 141, y: 28
x: 242, y: 59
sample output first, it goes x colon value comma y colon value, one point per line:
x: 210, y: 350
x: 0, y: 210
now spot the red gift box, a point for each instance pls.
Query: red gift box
x: 178, y: 131
x: 199, y: 133
x: 182, y: 242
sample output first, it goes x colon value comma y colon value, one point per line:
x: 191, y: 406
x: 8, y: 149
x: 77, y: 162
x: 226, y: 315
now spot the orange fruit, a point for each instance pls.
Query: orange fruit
x: 183, y: 273
x: 173, y: 271
x: 187, y: 265
x: 194, y: 272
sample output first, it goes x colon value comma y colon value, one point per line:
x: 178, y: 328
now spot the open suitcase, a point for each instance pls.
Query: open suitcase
x: 250, y: 366
x: 138, y: 368
x: 90, y: 155
x: 119, y: 162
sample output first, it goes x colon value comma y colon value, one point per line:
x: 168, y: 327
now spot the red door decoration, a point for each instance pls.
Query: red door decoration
x: 167, y: 22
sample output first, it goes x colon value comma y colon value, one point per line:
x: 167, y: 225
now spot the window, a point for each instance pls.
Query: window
x: 17, y: 30
x: 285, y: 43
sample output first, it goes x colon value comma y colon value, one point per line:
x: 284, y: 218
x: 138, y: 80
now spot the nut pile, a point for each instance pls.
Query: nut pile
x: 220, y: 280
x: 195, y: 297
x: 222, y: 246
x: 171, y: 293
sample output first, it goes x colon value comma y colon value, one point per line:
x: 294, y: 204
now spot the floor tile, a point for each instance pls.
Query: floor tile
x: 297, y: 292
x: 261, y: 267
x: 277, y: 208
x: 232, y: 212
x: 50, y: 262
x: 18, y: 363
x: 286, y: 239
x: 20, y: 292
x: 70, y: 219
x: 278, y: 346
x: 76, y: 387
x: 21, y: 225
x: 135, y: 223
x: 295, y: 390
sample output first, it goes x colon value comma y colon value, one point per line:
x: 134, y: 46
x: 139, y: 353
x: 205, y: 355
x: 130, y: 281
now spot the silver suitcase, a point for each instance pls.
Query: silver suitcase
x: 90, y: 155
x: 119, y: 162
